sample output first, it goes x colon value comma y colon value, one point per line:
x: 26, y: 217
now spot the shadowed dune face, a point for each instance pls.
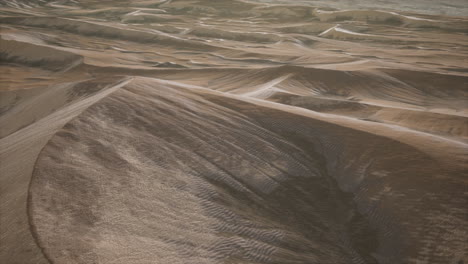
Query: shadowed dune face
x: 233, y: 132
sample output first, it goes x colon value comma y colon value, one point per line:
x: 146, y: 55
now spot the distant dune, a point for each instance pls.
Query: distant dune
x: 201, y: 131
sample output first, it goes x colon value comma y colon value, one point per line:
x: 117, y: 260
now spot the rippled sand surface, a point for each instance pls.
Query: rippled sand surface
x: 197, y: 131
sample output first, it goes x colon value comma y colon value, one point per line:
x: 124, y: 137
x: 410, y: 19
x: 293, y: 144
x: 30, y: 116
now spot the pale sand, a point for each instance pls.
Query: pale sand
x: 232, y: 132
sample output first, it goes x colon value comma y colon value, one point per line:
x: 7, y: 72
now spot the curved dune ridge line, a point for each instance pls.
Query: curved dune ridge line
x: 198, y: 131
x: 18, y: 153
x: 186, y: 136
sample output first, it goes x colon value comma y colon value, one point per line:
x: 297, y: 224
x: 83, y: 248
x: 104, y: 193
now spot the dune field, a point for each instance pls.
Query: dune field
x: 230, y: 131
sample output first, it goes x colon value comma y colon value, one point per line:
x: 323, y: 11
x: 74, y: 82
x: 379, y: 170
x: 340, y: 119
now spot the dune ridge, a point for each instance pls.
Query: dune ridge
x: 276, y: 171
x: 13, y: 51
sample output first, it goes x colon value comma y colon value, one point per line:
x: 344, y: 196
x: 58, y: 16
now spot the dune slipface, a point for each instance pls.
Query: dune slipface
x: 233, y: 132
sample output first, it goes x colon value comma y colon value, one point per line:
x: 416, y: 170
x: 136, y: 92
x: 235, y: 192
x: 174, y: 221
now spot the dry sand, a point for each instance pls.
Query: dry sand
x: 201, y: 131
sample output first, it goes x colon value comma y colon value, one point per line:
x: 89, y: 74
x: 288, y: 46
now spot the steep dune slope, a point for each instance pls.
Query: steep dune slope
x: 183, y: 167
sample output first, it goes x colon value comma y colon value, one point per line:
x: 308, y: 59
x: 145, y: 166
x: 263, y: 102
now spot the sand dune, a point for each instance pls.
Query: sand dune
x: 216, y: 193
x: 35, y: 55
x: 377, y: 17
x: 196, y: 131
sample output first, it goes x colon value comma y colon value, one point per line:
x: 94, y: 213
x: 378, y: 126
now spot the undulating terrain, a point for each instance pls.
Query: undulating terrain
x: 229, y: 131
